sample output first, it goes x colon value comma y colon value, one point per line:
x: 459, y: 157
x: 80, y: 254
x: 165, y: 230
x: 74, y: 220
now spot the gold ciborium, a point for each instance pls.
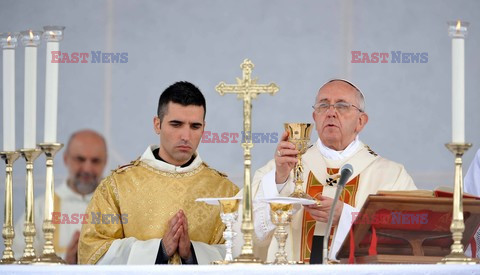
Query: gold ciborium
x: 299, y: 134
x: 281, y: 215
x: 229, y: 215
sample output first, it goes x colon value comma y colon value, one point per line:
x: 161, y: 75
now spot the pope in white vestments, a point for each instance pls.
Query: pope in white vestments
x: 338, y: 144
x: 472, y: 178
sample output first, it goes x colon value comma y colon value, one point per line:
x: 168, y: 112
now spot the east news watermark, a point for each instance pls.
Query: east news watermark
x: 93, y: 218
x: 89, y: 57
x: 394, y: 57
x: 390, y: 218
x: 239, y: 137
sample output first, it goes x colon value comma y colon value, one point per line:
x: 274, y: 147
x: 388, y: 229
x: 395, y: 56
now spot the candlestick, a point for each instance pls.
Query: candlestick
x: 49, y: 255
x: 8, y: 231
x: 31, y: 40
x: 53, y: 35
x: 458, y: 30
x: 29, y: 230
x: 457, y: 227
x: 8, y: 42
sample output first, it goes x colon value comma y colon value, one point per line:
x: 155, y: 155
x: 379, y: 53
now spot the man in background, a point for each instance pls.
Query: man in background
x: 85, y: 158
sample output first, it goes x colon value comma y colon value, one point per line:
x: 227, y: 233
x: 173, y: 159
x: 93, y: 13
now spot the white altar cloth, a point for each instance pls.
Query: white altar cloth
x: 242, y: 269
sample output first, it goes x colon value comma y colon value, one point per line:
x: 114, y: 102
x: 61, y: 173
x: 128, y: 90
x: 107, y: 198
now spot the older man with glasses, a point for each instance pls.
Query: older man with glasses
x: 339, y: 115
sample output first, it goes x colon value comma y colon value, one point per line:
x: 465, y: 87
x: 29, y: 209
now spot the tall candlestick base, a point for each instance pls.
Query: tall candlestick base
x: 29, y: 231
x: 48, y: 255
x: 457, y: 226
x: 8, y: 232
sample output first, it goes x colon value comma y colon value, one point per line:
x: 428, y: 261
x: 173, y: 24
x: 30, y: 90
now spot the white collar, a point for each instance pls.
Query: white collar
x: 150, y: 159
x: 65, y: 192
x: 338, y: 155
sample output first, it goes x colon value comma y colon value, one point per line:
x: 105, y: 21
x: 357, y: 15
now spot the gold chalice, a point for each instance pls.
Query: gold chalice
x: 229, y: 214
x: 281, y: 215
x: 299, y: 134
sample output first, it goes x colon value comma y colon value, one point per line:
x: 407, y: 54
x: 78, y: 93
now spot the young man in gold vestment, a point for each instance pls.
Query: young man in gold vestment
x: 339, y: 115
x: 145, y: 212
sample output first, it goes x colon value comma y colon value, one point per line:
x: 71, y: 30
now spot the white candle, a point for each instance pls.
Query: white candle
x: 9, y: 99
x: 51, y: 94
x: 458, y: 90
x: 30, y: 101
x: 458, y: 30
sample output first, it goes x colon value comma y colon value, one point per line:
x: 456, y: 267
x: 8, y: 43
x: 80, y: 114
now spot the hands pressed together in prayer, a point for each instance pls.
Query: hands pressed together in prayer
x: 176, y: 238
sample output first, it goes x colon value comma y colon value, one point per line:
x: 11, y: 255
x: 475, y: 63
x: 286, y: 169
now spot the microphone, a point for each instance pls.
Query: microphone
x: 345, y: 173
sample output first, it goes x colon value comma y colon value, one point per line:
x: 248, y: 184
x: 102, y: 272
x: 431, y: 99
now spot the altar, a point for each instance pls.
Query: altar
x: 244, y: 269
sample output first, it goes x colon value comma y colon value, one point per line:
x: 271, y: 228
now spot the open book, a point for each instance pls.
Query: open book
x: 407, y: 227
x: 439, y: 192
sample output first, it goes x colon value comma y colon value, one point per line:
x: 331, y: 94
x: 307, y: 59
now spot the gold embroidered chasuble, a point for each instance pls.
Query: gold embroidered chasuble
x: 146, y: 198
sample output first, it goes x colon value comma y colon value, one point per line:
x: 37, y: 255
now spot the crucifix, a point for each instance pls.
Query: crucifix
x: 247, y: 89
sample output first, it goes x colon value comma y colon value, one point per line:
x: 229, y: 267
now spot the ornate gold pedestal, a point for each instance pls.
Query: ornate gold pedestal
x: 281, y: 215
x: 229, y: 215
x: 29, y: 226
x: 457, y: 227
x: 8, y: 232
x: 48, y: 255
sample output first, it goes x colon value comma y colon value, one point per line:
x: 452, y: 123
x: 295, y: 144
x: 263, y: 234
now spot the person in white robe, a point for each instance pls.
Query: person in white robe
x: 472, y: 186
x: 339, y: 115
x: 85, y: 157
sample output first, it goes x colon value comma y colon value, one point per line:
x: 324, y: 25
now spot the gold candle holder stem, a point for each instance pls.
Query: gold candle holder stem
x: 298, y: 177
x: 48, y: 254
x: 29, y: 231
x: 457, y: 226
x: 8, y: 231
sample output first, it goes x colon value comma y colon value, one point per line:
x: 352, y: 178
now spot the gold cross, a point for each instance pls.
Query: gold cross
x: 247, y: 89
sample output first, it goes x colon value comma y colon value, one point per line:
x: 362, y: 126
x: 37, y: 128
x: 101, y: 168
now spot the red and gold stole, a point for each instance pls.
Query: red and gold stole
x: 314, y: 188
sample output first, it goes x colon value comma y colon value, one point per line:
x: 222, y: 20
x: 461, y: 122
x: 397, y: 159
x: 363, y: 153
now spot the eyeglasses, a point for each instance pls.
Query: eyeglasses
x: 341, y: 107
